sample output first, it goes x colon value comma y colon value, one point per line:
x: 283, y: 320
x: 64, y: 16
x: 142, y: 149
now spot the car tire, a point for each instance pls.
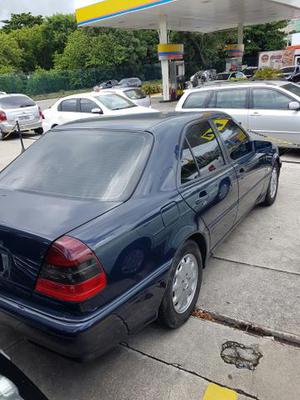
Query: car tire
x: 183, y: 286
x: 272, y: 191
x: 39, y: 131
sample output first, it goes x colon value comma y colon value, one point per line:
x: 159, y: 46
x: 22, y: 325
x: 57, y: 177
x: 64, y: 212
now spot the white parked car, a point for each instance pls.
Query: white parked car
x: 271, y: 108
x: 18, y: 107
x: 136, y: 95
x: 86, y: 105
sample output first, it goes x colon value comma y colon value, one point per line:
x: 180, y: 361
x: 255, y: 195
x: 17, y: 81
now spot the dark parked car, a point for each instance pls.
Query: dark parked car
x: 130, y: 82
x: 14, y: 385
x: 108, y: 84
x: 114, y: 227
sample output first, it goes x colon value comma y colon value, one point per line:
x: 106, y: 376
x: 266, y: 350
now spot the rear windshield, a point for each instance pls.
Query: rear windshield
x: 15, y: 102
x: 115, y: 102
x: 82, y: 164
x: 292, y: 88
x: 135, y: 94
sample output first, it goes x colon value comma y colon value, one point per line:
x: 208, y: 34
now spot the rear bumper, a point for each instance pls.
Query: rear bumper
x: 7, y: 127
x: 87, y: 337
x: 74, y: 339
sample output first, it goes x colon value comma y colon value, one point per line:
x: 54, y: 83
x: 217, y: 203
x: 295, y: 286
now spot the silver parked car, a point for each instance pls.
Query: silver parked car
x: 136, y: 95
x: 271, y: 108
x: 21, y: 108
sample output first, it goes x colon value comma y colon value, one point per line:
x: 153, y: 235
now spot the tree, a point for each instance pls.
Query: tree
x: 10, y: 54
x: 265, y: 37
x: 31, y: 41
x: 19, y: 21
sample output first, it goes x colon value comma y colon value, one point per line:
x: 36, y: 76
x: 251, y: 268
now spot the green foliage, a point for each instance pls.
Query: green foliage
x: 152, y: 88
x: 11, y: 55
x: 265, y: 37
x: 13, y: 83
x: 31, y: 41
x: 19, y: 21
x: 267, y: 74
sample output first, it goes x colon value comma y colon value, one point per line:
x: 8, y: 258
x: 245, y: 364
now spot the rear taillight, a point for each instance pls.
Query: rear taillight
x: 41, y: 113
x: 3, y: 116
x: 71, y: 272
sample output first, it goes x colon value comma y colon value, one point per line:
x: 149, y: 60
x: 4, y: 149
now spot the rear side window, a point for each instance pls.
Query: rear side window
x: 86, y: 105
x: 231, y: 98
x: 69, y: 105
x: 206, y: 156
x: 197, y: 99
x: 16, y: 102
x: 135, y: 94
x: 81, y: 164
x: 189, y: 169
x: 269, y: 99
x: 205, y: 148
x: 235, y: 139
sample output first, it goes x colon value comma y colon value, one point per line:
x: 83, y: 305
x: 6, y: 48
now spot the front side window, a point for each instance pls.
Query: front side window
x: 197, y: 99
x: 205, y: 147
x: 69, y: 105
x: 231, y: 98
x: 269, y: 99
x: 86, y: 105
x: 102, y: 165
x: 235, y: 139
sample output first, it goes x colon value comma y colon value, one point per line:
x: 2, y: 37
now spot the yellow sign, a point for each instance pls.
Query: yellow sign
x: 215, y: 392
x: 112, y: 8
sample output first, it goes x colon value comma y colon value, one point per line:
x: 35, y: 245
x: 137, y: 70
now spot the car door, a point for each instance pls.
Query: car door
x: 250, y: 166
x: 270, y: 115
x: 68, y: 111
x: 207, y: 183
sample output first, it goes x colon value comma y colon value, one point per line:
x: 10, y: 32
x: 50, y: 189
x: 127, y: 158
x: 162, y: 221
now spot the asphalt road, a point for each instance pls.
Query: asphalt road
x: 248, y: 341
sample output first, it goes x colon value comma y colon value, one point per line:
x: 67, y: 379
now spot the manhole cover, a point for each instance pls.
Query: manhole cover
x: 240, y: 355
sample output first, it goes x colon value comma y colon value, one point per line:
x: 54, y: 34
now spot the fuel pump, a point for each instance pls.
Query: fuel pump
x: 177, y: 79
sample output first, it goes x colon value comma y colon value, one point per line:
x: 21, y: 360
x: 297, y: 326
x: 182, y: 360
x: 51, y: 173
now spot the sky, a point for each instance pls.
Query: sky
x: 43, y: 7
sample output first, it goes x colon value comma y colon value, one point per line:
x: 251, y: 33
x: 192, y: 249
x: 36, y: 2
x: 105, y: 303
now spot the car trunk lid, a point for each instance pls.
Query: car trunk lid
x: 29, y: 223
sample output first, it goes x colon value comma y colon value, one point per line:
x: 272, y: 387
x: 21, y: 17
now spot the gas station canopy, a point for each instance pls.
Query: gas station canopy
x: 186, y: 15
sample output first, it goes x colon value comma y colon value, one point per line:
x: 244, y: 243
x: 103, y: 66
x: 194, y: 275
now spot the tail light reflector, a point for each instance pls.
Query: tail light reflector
x: 41, y: 113
x: 3, y: 116
x: 71, y: 272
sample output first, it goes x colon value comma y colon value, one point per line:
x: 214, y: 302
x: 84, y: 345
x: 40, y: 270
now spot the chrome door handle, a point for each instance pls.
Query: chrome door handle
x: 255, y: 114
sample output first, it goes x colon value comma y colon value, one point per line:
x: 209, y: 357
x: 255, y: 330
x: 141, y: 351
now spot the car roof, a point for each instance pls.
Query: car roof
x: 87, y: 94
x: 152, y: 122
x: 2, y: 94
x: 225, y: 84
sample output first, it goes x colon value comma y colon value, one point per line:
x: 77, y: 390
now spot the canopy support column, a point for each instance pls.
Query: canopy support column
x: 240, y: 34
x: 163, y: 39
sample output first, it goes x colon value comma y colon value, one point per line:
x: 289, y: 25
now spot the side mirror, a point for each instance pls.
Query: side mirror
x: 294, y: 105
x: 96, y: 111
x: 262, y: 146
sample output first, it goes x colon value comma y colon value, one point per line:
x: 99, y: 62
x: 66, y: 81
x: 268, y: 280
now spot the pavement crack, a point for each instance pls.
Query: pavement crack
x: 181, y: 368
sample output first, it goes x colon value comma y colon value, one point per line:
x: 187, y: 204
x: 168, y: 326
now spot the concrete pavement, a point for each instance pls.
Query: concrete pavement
x: 252, y: 282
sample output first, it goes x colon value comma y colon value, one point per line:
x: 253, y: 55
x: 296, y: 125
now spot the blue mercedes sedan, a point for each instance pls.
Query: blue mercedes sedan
x: 107, y: 224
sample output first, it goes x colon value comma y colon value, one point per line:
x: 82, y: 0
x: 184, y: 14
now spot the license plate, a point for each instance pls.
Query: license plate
x: 24, y: 117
